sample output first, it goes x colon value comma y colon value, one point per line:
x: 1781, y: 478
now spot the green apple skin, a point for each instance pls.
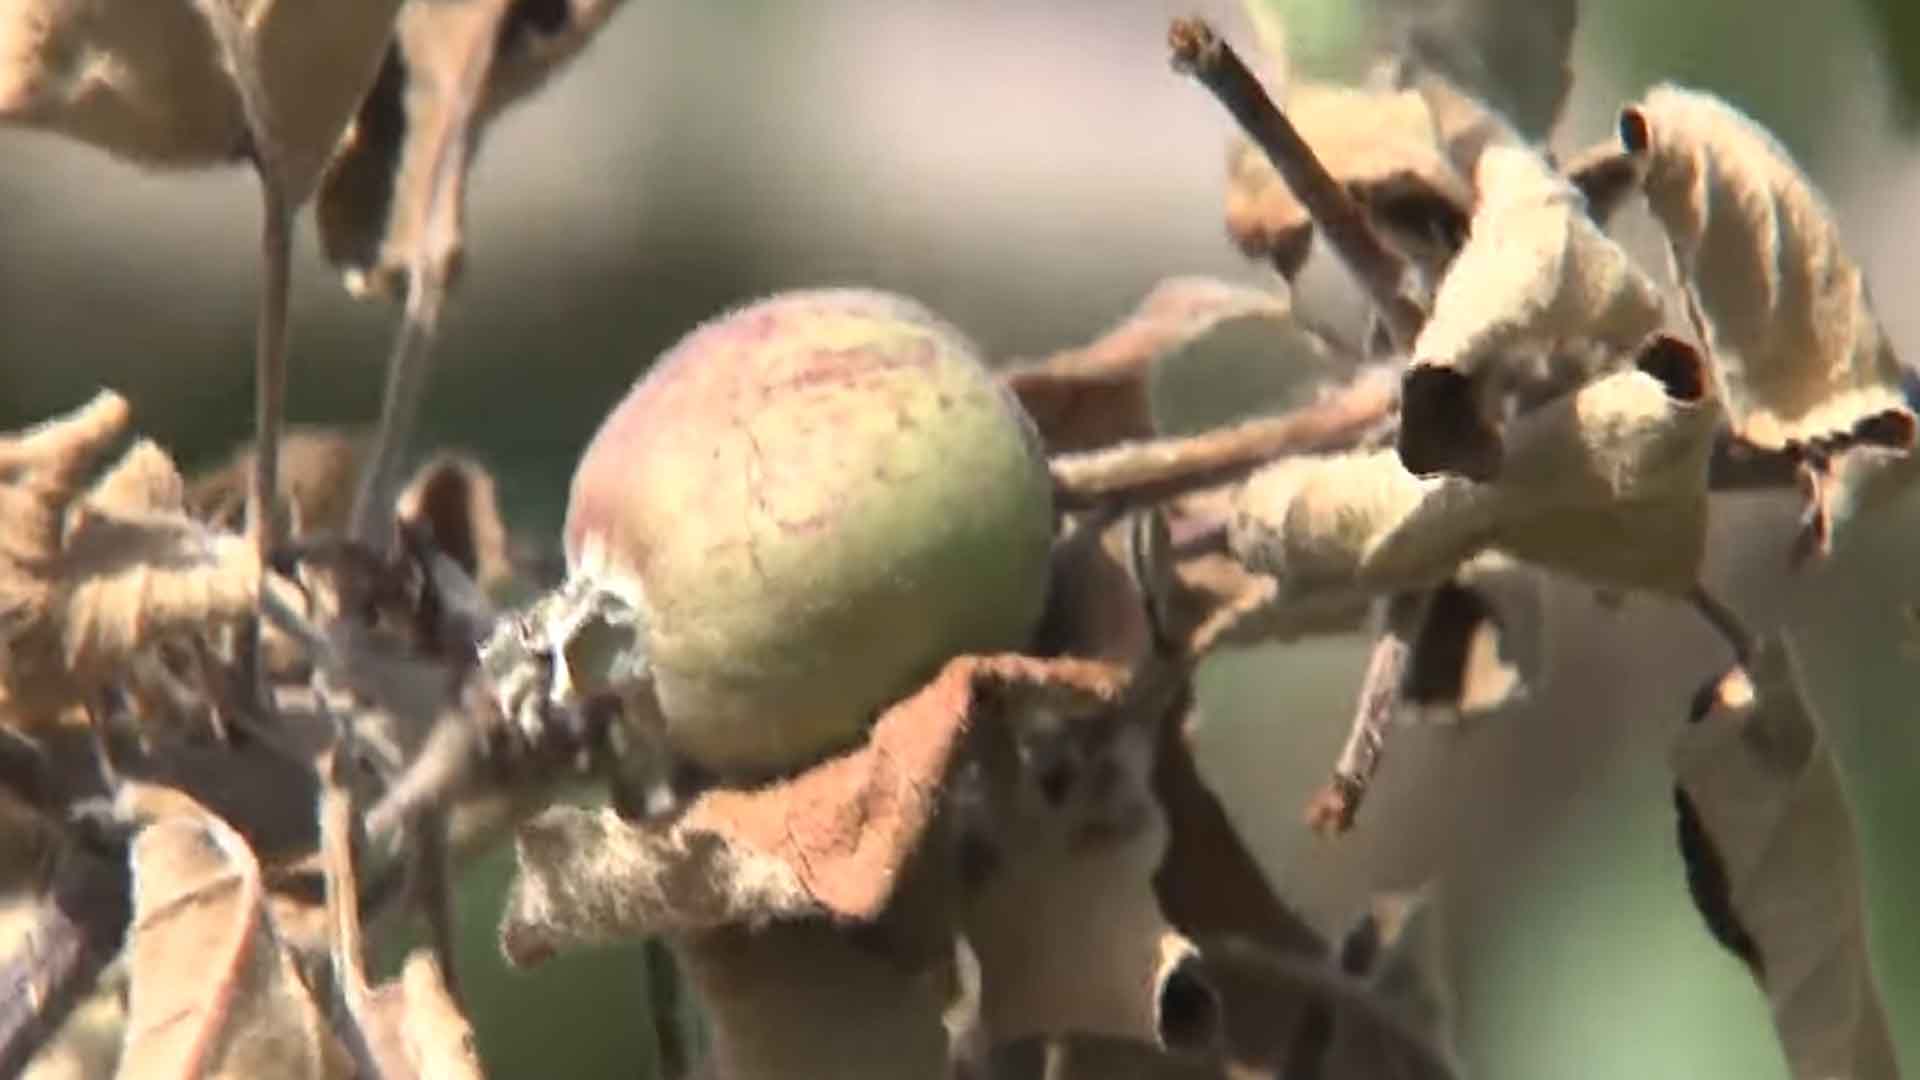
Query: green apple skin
x: 815, y: 501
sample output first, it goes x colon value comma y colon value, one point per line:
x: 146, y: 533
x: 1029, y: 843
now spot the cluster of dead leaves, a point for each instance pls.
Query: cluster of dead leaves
x: 1022, y: 870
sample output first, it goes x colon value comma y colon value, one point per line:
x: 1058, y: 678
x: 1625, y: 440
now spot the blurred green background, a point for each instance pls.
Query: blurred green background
x: 1030, y: 170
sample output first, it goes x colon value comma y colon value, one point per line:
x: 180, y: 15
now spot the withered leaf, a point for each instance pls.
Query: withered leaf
x: 453, y: 499
x: 318, y: 467
x: 1537, y: 272
x: 1383, y: 147
x: 1099, y: 394
x: 1775, y: 864
x: 1607, y: 484
x: 146, y: 81
x: 833, y: 840
x: 87, y: 579
x: 394, y: 194
x: 1062, y: 847
x: 1482, y: 646
x: 213, y: 992
x: 1786, y: 312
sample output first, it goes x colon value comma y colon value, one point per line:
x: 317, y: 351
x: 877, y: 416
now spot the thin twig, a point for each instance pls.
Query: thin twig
x: 271, y: 332
x: 429, y: 266
x: 1200, y: 52
x: 1332, y: 809
x: 1725, y: 622
x: 1140, y: 473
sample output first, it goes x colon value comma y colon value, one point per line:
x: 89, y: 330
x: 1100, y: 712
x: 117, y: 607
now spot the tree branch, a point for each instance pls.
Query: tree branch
x: 1200, y: 52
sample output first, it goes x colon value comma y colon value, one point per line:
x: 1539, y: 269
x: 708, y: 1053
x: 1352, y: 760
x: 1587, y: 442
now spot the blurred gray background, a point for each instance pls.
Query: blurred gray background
x: 1030, y: 170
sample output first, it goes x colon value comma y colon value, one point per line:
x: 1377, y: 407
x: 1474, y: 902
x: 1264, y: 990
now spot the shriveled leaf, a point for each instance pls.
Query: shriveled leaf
x: 1099, y: 394
x: 395, y: 192
x: 833, y: 840
x: 1383, y: 147
x: 318, y: 467
x: 1785, y: 310
x: 214, y: 992
x: 1774, y: 865
x: 146, y: 81
x: 1059, y: 855
x: 1537, y: 273
x: 87, y: 580
x: 1607, y: 484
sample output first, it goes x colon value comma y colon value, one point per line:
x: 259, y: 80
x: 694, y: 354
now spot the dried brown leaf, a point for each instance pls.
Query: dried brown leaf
x: 394, y: 194
x: 145, y: 81
x: 1099, y: 394
x: 1774, y: 864
x: 318, y: 467
x: 88, y: 580
x: 1383, y: 147
x: 1483, y: 644
x: 1536, y: 274
x: 214, y: 991
x: 453, y: 500
x: 1785, y: 311
x: 834, y: 840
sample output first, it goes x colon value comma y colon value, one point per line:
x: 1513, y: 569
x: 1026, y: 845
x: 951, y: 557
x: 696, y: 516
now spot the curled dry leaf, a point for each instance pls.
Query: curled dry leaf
x: 214, y: 992
x: 1537, y: 273
x: 1774, y: 865
x: 454, y: 500
x: 1482, y: 646
x: 88, y: 579
x: 1607, y: 484
x: 1100, y: 393
x: 834, y: 840
x: 146, y: 81
x: 1383, y: 147
x: 1784, y: 310
x: 395, y: 192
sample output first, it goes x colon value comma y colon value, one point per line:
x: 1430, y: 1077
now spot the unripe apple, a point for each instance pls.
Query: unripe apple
x: 811, y: 503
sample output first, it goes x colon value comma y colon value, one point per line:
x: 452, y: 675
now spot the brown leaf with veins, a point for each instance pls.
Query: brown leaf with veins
x: 1100, y: 393
x: 214, y: 991
x: 1774, y: 866
x: 834, y: 840
x: 1785, y: 311
x: 146, y: 81
x: 87, y: 579
x: 395, y: 192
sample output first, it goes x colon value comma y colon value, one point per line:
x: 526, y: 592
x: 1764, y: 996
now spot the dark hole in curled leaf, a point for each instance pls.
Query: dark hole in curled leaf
x: 1707, y: 883
x: 1634, y: 133
x: 1442, y: 429
x: 1188, y: 1011
x: 1891, y: 428
x: 543, y: 17
x: 1438, y: 674
x: 1678, y: 365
